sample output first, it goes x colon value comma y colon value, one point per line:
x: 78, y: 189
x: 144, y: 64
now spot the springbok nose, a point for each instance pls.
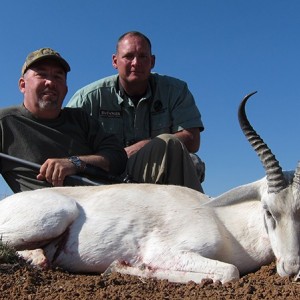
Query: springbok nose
x: 291, y: 267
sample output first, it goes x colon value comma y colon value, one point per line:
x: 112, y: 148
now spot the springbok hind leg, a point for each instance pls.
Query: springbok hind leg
x: 208, y: 268
x: 32, y: 219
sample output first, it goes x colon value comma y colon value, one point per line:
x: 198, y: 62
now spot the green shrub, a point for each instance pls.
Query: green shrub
x: 8, y: 254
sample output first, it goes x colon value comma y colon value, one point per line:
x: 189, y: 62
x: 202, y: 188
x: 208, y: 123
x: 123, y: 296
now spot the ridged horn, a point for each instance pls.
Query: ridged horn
x: 275, y: 177
x: 296, y: 180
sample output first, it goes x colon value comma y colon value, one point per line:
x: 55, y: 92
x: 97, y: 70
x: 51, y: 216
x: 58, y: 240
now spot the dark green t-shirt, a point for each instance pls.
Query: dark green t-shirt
x: 74, y: 132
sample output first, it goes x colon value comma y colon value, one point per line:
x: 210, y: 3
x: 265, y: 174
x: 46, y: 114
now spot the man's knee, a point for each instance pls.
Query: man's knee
x: 169, y: 140
x: 167, y: 137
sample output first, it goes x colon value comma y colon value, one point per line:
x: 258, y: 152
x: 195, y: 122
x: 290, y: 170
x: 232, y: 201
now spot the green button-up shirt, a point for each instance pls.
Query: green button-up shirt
x: 167, y: 107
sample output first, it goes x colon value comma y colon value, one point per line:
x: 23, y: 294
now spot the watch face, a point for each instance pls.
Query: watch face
x: 76, y: 161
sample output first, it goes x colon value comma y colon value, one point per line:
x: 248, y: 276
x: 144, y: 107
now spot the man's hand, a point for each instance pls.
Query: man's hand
x: 54, y: 170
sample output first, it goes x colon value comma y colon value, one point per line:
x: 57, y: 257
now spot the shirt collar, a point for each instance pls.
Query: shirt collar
x: 123, y: 94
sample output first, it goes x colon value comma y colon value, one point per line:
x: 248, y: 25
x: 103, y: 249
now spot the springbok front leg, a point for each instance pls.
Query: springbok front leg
x: 201, y: 268
x: 35, y: 257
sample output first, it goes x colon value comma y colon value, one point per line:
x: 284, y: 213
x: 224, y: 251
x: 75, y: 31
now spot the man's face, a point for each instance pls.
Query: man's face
x: 44, y: 87
x: 133, y: 60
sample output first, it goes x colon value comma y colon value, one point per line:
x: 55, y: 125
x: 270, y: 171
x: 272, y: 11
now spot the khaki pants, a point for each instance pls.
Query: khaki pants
x: 164, y: 160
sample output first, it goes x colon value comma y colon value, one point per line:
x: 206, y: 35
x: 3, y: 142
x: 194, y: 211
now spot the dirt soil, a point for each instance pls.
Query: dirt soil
x: 21, y: 281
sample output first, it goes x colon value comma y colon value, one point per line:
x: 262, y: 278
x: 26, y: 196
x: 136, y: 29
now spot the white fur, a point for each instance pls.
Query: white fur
x: 168, y: 232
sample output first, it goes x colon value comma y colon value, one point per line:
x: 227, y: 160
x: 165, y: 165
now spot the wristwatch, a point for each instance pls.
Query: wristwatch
x: 78, y: 163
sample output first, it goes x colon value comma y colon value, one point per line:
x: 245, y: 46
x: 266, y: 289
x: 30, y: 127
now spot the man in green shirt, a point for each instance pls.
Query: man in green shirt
x: 63, y: 141
x: 154, y: 116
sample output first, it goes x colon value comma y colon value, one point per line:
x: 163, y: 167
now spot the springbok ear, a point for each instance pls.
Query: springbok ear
x: 296, y: 180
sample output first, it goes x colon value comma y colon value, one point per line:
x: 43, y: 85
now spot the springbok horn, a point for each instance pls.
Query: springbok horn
x: 296, y: 180
x: 275, y: 177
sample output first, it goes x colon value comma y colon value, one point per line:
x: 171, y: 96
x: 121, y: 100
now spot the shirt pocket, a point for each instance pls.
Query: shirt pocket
x: 160, y: 123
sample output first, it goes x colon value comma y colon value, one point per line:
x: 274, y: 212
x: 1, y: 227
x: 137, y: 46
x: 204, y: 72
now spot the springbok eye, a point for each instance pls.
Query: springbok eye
x: 270, y: 218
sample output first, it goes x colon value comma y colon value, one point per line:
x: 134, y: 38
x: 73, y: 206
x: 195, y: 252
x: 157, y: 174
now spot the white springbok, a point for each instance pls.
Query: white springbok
x: 167, y: 232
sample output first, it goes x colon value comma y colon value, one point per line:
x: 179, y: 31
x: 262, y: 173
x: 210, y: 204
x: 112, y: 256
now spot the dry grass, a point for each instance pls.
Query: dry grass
x: 8, y: 254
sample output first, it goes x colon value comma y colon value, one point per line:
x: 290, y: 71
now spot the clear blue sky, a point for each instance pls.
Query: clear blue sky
x: 223, y: 49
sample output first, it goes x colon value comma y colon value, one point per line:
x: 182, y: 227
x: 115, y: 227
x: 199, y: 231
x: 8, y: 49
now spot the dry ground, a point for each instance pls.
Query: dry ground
x: 21, y: 281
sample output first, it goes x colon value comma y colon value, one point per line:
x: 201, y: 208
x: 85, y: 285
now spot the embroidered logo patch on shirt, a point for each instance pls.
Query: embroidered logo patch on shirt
x: 110, y: 114
x: 157, y: 106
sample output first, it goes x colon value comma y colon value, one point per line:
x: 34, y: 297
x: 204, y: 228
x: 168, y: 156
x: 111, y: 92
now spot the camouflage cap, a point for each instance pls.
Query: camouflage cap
x: 41, y: 54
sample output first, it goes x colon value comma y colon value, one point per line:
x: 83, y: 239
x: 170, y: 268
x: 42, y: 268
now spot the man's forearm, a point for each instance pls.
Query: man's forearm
x: 97, y: 161
x: 190, y: 138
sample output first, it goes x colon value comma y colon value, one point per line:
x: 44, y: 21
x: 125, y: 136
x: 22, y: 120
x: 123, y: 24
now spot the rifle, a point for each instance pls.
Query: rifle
x: 90, y: 170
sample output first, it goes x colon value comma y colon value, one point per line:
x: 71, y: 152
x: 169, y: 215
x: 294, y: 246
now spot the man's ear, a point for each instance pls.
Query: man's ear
x: 67, y: 89
x: 22, y: 85
x: 115, y: 61
x: 152, y: 61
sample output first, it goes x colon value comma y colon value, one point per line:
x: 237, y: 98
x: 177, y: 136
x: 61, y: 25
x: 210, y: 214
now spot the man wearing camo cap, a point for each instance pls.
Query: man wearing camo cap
x: 64, y: 141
